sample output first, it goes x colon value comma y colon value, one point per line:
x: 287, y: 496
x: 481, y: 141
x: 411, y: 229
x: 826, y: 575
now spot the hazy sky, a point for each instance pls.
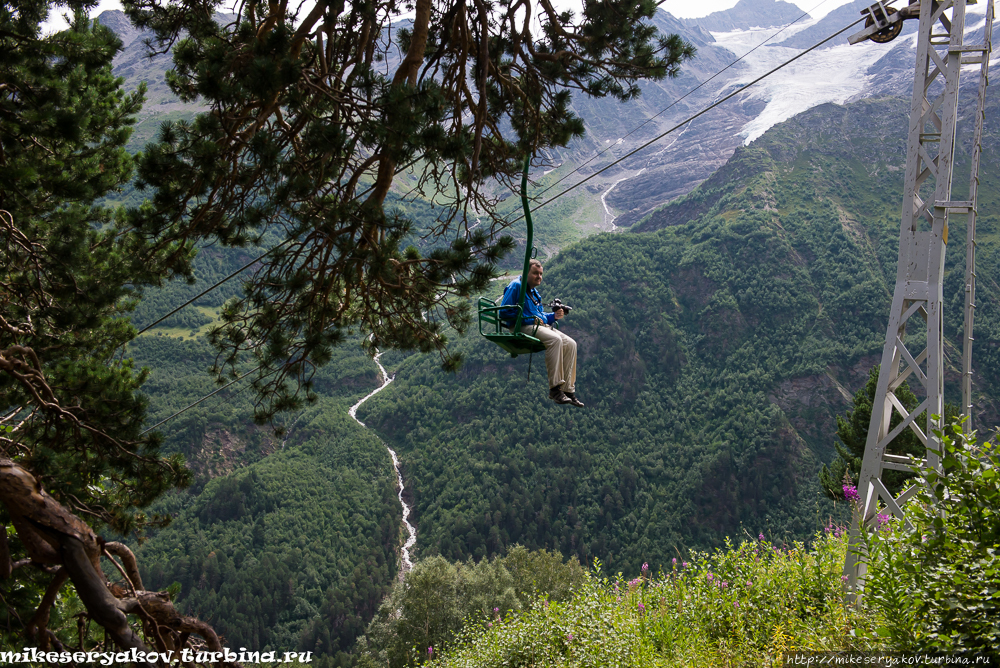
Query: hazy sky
x: 680, y: 8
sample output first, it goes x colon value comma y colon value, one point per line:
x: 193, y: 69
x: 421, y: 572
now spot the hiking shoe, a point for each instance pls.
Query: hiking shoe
x: 573, y: 400
x: 558, y: 396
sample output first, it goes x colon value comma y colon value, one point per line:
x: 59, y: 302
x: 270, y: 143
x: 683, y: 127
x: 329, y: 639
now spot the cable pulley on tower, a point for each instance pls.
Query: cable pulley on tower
x: 884, y: 23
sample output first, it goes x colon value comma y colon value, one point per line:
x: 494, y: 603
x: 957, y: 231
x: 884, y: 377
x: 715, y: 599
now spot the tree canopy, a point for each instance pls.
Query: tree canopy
x: 70, y: 269
x: 311, y: 115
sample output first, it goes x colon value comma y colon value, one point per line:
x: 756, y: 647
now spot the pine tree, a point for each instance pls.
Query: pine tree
x: 312, y: 116
x: 72, y: 459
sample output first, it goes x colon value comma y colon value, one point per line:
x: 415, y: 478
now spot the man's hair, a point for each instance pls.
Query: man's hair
x: 533, y: 262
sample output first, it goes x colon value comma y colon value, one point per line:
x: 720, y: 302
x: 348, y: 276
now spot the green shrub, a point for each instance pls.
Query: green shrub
x: 743, y: 605
x: 428, y: 607
x: 938, y: 585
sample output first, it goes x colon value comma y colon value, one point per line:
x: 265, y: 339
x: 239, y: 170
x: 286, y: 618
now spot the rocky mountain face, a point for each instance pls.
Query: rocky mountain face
x: 734, y: 48
x: 746, y: 14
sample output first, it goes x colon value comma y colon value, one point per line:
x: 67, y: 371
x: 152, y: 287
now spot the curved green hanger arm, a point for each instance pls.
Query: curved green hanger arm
x: 527, y: 247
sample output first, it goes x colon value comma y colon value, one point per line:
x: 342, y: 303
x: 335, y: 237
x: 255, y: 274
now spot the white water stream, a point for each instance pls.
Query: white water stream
x: 411, y: 530
x: 604, y: 201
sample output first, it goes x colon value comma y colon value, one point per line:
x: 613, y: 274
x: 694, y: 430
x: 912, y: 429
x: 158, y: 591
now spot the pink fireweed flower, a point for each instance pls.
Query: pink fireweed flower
x: 642, y: 608
x: 749, y: 583
x: 736, y: 604
x: 851, y: 493
x: 883, y: 519
x: 569, y: 636
x: 645, y: 566
x: 430, y: 652
x: 684, y: 565
x: 724, y: 584
x: 674, y: 561
x: 709, y: 576
x: 760, y: 536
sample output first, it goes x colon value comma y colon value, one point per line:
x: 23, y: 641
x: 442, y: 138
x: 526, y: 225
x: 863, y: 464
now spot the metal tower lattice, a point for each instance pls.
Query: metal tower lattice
x: 923, y: 237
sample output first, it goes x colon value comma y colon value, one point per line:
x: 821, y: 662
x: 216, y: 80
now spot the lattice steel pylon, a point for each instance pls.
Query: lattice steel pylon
x: 923, y: 238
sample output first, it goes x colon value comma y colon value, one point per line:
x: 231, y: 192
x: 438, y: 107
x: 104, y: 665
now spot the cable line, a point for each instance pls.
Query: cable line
x: 207, y: 396
x: 257, y: 259
x: 694, y: 117
x: 680, y: 99
x: 602, y: 152
x: 207, y: 290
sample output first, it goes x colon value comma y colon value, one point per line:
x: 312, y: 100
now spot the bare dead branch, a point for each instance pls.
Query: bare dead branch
x: 52, y: 534
x: 128, y: 560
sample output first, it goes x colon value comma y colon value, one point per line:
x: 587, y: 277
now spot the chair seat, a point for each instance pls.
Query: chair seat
x: 517, y: 344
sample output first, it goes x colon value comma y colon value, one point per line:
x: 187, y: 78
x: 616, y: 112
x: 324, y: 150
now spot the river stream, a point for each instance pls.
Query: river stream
x: 411, y: 530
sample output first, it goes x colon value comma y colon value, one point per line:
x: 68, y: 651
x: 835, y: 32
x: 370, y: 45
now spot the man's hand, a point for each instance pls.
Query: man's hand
x: 559, y: 313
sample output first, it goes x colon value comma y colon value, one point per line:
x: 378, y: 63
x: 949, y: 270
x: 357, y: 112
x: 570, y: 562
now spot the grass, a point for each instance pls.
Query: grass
x: 186, y: 333
x: 745, y: 605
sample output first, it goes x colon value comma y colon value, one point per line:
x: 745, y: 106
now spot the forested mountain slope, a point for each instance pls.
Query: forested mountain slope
x: 714, y: 353
x: 285, y: 540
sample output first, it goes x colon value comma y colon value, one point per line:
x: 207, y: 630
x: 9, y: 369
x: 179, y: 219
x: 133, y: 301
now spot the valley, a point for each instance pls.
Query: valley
x: 731, y: 285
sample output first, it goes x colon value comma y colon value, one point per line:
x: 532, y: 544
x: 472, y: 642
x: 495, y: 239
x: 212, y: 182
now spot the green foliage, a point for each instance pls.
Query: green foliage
x: 433, y: 601
x: 741, y: 605
x: 937, y: 583
x: 715, y: 349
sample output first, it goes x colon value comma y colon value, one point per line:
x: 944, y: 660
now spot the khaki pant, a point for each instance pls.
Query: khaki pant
x: 560, y: 356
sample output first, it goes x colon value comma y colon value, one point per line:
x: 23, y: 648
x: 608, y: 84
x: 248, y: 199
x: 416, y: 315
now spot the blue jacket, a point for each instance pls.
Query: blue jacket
x: 532, y: 305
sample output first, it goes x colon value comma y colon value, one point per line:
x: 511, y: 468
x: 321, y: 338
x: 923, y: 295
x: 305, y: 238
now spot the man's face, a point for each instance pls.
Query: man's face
x: 534, y: 276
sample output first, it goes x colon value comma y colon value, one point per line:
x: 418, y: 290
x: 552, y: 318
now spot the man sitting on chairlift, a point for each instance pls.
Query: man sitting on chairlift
x: 560, y: 350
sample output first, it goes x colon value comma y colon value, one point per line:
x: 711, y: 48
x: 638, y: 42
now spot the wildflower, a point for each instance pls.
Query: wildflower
x: 845, y: 578
x: 645, y: 567
x: 642, y: 608
x: 496, y: 609
x: 851, y: 493
x: 749, y: 583
x: 675, y: 561
x: 569, y: 636
x: 489, y: 625
x: 709, y: 577
x: 430, y: 652
x: 760, y: 536
x: 632, y: 584
x: 724, y: 584
x: 883, y: 519
x: 736, y: 604
x: 684, y: 565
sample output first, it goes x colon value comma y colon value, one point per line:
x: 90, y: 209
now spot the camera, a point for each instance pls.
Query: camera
x: 557, y: 304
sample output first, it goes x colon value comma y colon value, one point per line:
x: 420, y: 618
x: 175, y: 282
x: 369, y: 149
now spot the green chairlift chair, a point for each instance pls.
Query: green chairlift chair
x: 491, y: 325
